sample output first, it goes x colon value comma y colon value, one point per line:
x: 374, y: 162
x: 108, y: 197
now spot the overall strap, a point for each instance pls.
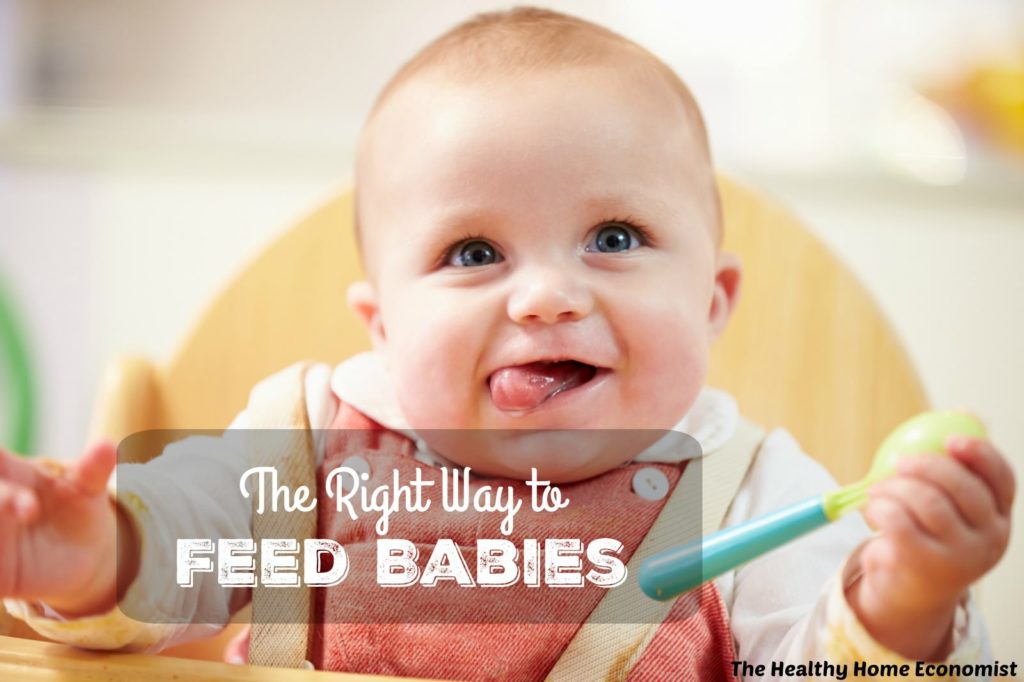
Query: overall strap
x: 624, y: 622
x: 282, y: 617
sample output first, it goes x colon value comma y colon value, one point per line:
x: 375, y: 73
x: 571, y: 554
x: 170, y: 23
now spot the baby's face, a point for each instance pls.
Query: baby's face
x: 541, y: 257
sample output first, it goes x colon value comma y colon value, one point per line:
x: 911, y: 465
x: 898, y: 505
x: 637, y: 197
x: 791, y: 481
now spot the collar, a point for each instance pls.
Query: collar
x: 363, y: 382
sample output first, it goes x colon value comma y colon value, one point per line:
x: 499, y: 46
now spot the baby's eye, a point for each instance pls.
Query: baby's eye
x: 614, y: 238
x: 473, y: 253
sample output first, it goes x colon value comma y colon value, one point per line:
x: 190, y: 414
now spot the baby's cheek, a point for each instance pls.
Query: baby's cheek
x: 433, y: 373
x: 668, y: 368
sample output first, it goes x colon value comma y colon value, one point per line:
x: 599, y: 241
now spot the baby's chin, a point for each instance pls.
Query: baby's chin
x: 557, y: 455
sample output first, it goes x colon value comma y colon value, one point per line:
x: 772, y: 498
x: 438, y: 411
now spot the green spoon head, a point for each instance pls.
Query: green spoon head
x: 924, y: 434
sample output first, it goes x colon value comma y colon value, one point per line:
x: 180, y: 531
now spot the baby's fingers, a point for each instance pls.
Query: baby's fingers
x: 890, y: 516
x: 20, y: 470
x: 19, y: 501
x: 968, y: 492
x: 986, y: 461
x: 92, y: 471
x: 929, y: 506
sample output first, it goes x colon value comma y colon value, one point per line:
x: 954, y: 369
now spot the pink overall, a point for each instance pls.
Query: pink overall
x: 473, y: 633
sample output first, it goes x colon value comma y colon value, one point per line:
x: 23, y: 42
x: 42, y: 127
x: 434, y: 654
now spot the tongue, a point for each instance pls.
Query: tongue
x: 525, y: 387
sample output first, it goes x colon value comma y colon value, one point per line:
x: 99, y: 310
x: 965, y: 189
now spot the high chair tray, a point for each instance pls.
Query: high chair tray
x: 22, y: 659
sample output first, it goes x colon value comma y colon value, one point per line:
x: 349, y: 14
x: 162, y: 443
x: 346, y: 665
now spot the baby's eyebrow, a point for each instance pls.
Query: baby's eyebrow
x: 446, y: 225
x: 463, y: 218
x: 625, y: 204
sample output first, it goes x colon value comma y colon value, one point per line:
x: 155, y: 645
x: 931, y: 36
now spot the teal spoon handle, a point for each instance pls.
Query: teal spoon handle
x: 668, y: 574
x: 680, y: 569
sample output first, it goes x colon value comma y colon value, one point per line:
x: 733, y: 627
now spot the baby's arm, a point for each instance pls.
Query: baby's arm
x: 54, y: 516
x: 190, y: 491
x: 179, y: 494
x: 791, y: 604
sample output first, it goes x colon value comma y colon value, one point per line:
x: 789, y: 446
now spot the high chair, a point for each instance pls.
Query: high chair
x: 807, y: 349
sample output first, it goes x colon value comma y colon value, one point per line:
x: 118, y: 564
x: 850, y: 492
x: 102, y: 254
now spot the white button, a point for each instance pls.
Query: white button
x: 308, y: 665
x: 650, y: 483
x: 358, y: 465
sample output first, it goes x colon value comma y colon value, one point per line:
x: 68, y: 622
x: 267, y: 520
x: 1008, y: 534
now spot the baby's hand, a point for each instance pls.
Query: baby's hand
x: 944, y: 522
x: 58, y: 526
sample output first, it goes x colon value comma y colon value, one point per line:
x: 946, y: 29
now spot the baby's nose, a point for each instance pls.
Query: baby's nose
x: 549, y: 297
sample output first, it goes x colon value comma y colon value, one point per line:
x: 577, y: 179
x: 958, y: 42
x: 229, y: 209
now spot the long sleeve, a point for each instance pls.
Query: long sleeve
x: 789, y: 606
x: 189, y: 491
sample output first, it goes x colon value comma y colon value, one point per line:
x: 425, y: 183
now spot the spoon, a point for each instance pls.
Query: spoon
x: 668, y: 574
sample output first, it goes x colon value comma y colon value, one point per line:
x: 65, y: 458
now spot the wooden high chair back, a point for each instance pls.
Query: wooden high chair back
x: 807, y: 349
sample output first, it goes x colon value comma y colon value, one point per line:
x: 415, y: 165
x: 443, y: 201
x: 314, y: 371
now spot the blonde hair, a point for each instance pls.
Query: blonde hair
x: 529, y: 39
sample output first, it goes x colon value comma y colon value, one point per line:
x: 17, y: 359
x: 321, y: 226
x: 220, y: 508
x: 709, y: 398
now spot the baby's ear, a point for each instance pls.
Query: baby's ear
x: 728, y: 276
x: 362, y: 299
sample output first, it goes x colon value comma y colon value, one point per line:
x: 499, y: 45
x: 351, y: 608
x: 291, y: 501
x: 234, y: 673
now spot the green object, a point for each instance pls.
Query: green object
x: 16, y: 373
x: 680, y: 569
x: 924, y: 434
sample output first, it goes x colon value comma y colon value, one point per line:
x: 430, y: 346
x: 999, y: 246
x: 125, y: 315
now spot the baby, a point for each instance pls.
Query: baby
x: 540, y: 228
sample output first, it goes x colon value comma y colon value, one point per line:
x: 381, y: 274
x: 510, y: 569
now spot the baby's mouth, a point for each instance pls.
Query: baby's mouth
x: 522, y: 388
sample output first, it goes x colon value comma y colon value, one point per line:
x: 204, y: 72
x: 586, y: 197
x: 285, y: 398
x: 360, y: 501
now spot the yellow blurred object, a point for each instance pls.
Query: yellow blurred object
x: 997, y: 93
x: 989, y: 101
x: 807, y: 349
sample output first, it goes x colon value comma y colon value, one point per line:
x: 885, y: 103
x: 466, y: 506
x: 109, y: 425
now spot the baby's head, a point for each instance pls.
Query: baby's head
x: 540, y: 228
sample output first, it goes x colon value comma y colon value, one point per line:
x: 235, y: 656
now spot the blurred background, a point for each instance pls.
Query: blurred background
x: 149, y: 148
